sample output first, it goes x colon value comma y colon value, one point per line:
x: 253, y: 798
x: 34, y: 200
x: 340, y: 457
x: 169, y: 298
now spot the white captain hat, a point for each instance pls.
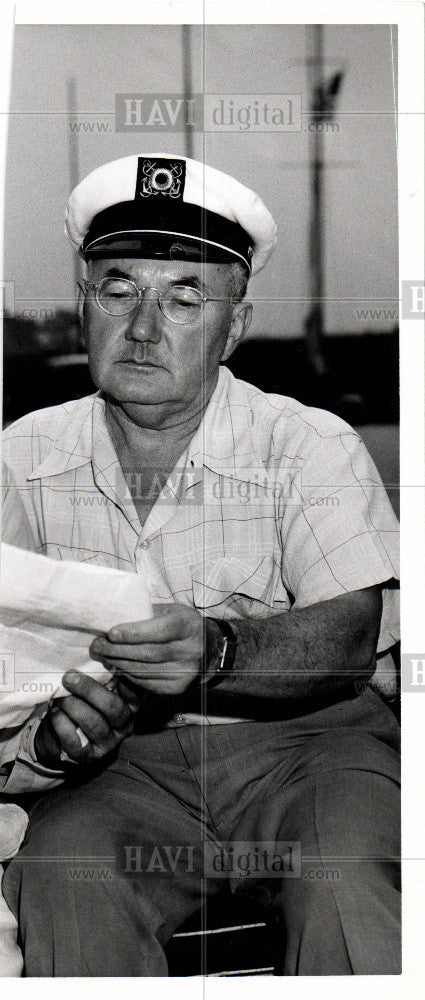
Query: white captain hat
x: 171, y: 207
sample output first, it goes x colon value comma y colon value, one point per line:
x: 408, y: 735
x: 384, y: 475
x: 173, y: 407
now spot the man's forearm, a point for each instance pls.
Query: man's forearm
x: 308, y: 652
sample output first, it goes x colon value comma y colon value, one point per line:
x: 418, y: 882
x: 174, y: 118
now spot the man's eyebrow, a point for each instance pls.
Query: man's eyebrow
x: 114, y: 272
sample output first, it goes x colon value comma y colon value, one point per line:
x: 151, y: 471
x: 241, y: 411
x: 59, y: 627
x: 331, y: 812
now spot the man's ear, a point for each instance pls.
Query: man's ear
x: 80, y: 304
x: 241, y: 321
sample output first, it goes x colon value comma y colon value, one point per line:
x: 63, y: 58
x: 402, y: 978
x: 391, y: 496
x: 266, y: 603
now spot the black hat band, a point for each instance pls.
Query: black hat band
x: 141, y: 228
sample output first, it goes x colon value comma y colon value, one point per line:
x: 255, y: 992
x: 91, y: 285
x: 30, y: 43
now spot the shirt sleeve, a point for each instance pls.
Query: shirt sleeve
x: 20, y: 772
x: 339, y: 531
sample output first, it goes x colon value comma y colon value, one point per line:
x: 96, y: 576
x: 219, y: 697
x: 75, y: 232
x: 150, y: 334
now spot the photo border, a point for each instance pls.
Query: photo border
x: 409, y: 16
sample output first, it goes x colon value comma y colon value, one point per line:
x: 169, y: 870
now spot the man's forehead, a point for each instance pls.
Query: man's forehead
x: 136, y: 267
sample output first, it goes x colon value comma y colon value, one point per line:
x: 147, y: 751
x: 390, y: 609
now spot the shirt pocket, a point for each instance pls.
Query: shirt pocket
x: 238, y: 588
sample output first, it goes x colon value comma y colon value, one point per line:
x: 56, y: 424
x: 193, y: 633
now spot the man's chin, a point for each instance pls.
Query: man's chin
x: 148, y: 388
x: 126, y: 399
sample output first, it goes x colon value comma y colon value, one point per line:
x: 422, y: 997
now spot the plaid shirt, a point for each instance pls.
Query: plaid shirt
x: 273, y: 506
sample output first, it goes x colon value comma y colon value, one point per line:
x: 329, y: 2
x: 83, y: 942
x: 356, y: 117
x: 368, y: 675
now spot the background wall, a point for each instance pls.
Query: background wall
x: 361, y: 285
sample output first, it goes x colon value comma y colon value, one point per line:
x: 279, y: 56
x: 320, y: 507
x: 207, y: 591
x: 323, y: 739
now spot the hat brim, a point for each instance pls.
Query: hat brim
x: 152, y: 244
x: 187, y: 232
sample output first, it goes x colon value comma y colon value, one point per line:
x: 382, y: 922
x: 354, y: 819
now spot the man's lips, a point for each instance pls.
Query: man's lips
x: 141, y: 362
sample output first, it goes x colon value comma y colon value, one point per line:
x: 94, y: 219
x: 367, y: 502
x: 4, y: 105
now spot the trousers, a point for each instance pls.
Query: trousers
x: 303, y: 811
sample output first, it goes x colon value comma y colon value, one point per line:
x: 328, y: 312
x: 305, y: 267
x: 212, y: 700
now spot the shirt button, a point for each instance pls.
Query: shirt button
x: 144, y: 545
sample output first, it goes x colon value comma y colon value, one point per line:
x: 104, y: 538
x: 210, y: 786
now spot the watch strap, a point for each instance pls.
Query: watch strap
x: 223, y: 660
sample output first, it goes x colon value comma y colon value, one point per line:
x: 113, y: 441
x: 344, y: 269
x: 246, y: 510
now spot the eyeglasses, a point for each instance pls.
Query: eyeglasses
x: 120, y: 296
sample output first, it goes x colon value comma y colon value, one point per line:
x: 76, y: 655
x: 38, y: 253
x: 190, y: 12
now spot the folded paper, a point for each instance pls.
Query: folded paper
x: 49, y: 613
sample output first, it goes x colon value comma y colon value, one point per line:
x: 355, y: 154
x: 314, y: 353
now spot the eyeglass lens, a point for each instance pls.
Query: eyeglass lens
x: 179, y: 303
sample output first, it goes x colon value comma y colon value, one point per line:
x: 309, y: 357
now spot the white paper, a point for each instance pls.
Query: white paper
x: 49, y: 613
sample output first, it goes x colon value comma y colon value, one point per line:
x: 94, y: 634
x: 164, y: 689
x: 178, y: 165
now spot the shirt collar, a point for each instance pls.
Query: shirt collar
x: 86, y: 442
x: 222, y: 443
x: 74, y: 447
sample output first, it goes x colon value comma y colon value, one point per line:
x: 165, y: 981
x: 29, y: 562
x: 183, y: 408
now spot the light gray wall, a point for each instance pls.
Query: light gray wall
x: 360, y: 177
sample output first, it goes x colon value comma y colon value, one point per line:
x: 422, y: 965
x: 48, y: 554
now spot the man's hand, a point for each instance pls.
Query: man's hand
x: 163, y: 654
x: 104, y: 716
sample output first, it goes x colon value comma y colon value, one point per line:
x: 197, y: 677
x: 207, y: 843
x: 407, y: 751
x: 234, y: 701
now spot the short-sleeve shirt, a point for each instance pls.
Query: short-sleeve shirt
x: 272, y: 507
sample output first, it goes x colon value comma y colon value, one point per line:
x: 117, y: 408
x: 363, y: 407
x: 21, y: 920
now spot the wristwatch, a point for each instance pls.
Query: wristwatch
x: 223, y: 656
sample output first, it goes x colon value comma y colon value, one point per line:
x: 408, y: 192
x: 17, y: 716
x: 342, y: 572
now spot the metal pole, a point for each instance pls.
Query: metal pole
x: 187, y: 87
x: 315, y: 320
x: 73, y: 155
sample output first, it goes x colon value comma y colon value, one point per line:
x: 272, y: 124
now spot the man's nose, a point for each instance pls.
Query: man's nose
x: 145, y: 321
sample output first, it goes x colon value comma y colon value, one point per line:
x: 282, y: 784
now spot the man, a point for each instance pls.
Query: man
x: 241, y: 710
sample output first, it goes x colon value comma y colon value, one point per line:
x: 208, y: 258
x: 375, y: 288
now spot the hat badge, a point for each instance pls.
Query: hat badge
x: 160, y: 177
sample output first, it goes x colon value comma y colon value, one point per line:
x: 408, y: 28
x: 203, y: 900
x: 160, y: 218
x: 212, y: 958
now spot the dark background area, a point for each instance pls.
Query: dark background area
x: 45, y: 365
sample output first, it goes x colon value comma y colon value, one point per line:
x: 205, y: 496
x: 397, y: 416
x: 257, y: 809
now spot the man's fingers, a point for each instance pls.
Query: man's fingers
x: 88, y: 719
x: 66, y: 735
x: 131, y: 694
x: 145, y: 652
x: 108, y: 703
x: 168, y: 623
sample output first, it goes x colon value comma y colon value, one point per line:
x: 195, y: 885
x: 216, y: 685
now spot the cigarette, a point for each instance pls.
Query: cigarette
x: 82, y: 737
